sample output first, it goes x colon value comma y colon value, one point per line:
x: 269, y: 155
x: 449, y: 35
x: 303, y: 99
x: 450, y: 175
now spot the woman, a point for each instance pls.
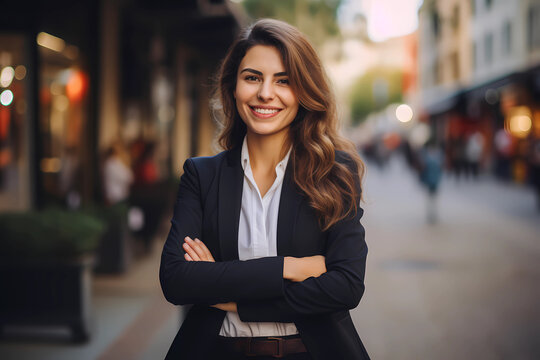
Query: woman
x: 266, y: 239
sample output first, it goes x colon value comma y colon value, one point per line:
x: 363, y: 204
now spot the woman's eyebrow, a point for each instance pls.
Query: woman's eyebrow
x: 282, y: 73
x: 251, y: 71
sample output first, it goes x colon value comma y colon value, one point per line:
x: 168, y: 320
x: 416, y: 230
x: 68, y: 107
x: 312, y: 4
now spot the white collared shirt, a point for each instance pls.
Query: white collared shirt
x: 257, y: 237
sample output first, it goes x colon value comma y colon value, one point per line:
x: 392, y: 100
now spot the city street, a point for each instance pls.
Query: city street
x: 101, y: 102
x: 464, y: 288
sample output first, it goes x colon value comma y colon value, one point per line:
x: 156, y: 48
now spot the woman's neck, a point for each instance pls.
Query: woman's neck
x: 265, y: 151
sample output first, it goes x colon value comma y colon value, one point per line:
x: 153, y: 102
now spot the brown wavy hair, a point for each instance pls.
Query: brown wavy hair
x: 332, y: 188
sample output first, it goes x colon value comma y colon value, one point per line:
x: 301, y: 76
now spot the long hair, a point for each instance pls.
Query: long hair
x: 331, y: 187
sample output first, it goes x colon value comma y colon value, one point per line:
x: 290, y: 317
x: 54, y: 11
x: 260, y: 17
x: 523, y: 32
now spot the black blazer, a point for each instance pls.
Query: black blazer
x: 208, y: 207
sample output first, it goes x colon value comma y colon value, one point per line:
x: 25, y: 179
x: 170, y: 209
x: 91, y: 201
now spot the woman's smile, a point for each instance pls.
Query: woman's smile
x: 264, y: 112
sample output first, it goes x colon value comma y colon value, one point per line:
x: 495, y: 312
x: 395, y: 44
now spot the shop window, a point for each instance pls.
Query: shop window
x: 454, y: 63
x: 474, y: 54
x: 455, y: 18
x: 437, y: 76
x: 507, y: 38
x: 63, y: 122
x: 14, y: 152
x: 488, y: 49
x: 435, y: 23
x: 533, y: 27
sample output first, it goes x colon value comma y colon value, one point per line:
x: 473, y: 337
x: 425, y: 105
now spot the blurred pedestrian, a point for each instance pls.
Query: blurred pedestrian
x: 459, y: 158
x: 503, y: 153
x: 281, y: 250
x: 473, y: 152
x: 411, y: 155
x: 146, y: 170
x: 535, y: 168
x: 70, y: 177
x: 431, y: 158
x: 117, y: 174
x: 148, y: 194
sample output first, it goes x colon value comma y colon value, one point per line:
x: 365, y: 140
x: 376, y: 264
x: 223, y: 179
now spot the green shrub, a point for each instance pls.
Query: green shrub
x: 113, y: 213
x: 48, y: 235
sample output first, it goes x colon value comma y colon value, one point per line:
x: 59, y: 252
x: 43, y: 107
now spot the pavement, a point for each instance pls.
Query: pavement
x: 465, y: 287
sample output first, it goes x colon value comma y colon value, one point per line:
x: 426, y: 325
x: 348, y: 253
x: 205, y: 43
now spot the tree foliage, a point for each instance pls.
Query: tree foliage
x: 373, y: 91
x: 315, y: 18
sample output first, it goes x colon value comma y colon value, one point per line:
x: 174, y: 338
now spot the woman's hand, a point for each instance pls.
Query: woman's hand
x: 196, y: 250
x: 230, y: 306
x: 300, y: 269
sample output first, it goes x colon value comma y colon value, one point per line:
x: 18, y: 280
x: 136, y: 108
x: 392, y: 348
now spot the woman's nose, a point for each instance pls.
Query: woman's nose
x: 266, y: 91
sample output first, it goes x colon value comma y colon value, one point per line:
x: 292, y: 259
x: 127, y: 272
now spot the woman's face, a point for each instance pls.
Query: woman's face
x: 264, y: 99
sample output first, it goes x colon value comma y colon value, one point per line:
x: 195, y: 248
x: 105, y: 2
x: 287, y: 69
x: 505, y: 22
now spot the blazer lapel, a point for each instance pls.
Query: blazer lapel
x: 289, y: 203
x: 231, y: 181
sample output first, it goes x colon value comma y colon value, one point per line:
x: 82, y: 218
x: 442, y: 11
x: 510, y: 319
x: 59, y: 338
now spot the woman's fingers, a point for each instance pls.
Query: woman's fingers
x: 191, y: 252
x: 207, y: 254
x: 197, y: 250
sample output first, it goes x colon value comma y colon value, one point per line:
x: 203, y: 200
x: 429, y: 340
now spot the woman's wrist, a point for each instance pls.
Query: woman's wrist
x: 299, y: 269
x: 289, y: 267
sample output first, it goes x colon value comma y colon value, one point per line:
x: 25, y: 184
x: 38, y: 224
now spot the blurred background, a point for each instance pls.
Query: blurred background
x: 102, y: 101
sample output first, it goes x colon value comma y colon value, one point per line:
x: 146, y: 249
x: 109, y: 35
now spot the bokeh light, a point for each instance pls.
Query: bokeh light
x: 76, y: 86
x: 20, y: 72
x: 404, y: 113
x: 6, y: 98
x: 519, y: 122
x: 520, y: 125
x: 6, y: 76
x: 50, y: 42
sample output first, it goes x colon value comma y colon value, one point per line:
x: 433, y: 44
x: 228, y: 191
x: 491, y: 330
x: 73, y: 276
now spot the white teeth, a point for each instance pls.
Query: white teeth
x: 266, y: 111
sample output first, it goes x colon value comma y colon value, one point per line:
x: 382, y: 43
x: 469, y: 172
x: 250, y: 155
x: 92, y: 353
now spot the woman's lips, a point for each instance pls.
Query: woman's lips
x: 263, y: 112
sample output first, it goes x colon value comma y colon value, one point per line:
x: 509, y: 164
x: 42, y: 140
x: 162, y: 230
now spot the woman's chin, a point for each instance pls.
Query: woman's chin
x: 267, y: 130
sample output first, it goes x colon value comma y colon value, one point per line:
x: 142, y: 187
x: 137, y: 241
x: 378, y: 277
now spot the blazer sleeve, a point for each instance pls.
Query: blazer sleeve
x: 340, y: 288
x: 193, y: 282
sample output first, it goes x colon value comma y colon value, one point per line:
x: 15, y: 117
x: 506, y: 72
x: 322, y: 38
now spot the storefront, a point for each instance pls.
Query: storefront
x: 78, y: 76
x: 504, y: 114
x: 47, y: 122
x: 15, y: 130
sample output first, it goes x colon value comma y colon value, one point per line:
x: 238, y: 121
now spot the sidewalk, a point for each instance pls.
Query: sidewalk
x: 463, y: 288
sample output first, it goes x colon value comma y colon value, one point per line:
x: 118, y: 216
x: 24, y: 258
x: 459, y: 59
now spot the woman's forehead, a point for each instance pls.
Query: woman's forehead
x: 263, y: 58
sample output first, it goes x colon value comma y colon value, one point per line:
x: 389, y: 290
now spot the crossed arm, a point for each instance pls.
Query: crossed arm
x: 266, y: 289
x: 294, y: 269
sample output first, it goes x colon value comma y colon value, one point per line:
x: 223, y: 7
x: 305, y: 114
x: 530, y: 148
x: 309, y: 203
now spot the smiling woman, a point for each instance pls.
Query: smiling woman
x: 266, y: 240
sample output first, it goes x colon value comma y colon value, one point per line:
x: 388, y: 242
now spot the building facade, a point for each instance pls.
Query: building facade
x: 479, y: 75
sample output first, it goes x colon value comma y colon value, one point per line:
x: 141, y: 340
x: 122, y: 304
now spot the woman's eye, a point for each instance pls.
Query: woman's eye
x: 251, y: 78
x: 283, y: 81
